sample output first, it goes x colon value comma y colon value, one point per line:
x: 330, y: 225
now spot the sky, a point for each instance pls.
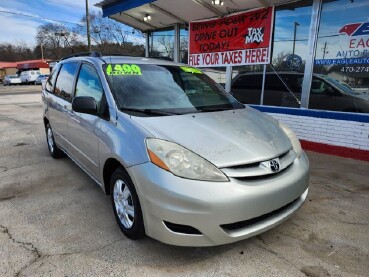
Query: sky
x: 16, y: 28
x: 19, y: 20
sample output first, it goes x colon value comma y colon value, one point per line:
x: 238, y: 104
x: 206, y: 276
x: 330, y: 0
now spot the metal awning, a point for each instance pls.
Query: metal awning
x: 167, y: 13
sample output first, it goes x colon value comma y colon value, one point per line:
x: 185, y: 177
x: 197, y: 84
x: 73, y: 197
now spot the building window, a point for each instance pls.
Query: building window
x: 342, y: 58
x: 161, y: 44
x: 283, y: 80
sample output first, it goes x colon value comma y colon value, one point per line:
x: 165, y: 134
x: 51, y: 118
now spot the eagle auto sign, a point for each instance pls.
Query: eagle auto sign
x: 240, y: 39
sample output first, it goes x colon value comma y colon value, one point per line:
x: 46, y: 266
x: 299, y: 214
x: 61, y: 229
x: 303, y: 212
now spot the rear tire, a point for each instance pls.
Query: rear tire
x: 126, y: 205
x: 54, y: 150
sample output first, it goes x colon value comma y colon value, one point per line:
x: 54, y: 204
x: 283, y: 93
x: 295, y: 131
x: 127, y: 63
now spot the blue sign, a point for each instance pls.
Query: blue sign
x: 293, y: 62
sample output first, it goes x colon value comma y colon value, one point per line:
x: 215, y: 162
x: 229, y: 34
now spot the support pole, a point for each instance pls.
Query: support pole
x: 263, y: 86
x: 176, y: 46
x: 309, y: 65
x: 228, y: 78
x: 147, y: 44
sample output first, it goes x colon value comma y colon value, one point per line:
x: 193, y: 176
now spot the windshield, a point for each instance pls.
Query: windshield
x: 166, y: 90
x: 339, y: 85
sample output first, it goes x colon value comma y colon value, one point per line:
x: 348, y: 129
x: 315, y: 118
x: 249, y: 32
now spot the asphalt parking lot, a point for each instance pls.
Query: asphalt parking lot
x: 55, y: 221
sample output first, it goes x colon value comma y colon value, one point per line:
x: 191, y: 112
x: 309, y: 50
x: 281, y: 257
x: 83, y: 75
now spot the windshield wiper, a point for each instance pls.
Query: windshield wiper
x: 218, y: 108
x: 209, y: 109
x: 147, y: 111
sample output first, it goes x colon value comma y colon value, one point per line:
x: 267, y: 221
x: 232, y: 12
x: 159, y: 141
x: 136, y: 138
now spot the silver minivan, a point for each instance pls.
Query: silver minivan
x: 184, y: 162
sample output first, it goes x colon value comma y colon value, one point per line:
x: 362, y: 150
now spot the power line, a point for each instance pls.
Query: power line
x: 58, y: 2
x: 39, y: 17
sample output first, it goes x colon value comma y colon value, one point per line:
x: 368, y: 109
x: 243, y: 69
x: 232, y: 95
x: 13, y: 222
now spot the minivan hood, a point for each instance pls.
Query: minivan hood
x: 225, y: 138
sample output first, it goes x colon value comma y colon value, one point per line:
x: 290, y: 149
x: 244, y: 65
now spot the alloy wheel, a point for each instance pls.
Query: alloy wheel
x: 124, y: 204
x: 50, y: 139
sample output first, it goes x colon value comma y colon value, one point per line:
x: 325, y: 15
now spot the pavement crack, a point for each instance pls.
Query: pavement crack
x: 26, y: 245
x: 18, y: 167
x: 338, y: 188
x: 353, y: 223
x: 5, y: 198
x: 87, y: 251
x: 13, y: 119
x: 267, y: 248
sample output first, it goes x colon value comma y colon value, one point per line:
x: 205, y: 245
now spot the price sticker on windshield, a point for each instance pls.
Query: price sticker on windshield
x: 123, y: 69
x: 191, y: 70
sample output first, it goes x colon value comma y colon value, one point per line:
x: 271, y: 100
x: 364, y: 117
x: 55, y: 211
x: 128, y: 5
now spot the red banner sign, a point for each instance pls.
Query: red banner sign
x: 240, y: 39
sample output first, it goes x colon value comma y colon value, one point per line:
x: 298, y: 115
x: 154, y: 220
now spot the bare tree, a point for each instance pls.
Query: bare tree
x: 107, y: 35
x: 166, y: 47
x: 14, y: 52
x: 57, y: 40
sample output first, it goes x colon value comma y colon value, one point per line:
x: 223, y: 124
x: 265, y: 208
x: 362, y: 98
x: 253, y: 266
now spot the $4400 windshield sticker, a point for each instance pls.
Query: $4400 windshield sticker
x: 123, y: 69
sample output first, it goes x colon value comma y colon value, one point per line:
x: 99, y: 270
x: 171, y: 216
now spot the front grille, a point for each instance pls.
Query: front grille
x: 182, y: 229
x: 257, y: 170
x: 252, y: 221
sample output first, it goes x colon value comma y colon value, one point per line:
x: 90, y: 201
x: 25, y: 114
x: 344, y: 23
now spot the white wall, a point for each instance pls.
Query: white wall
x: 350, y: 134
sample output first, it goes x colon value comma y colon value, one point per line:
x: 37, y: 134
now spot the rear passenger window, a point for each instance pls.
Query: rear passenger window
x: 251, y: 81
x: 64, y: 83
x: 89, y: 84
x: 272, y: 82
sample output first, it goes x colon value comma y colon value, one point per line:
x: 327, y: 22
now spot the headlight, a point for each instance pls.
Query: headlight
x: 182, y: 162
x: 294, y: 140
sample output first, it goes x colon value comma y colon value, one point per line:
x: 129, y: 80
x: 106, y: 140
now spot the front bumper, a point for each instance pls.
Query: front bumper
x: 214, y: 207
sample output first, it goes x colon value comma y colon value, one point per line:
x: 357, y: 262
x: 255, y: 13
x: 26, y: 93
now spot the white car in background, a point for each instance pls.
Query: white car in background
x: 29, y: 76
x: 11, y: 80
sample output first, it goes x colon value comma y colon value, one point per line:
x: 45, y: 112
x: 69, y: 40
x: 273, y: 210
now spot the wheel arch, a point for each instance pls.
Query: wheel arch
x: 46, y: 121
x: 110, y: 166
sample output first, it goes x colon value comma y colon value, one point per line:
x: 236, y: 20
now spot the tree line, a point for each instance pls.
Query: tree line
x: 54, y: 41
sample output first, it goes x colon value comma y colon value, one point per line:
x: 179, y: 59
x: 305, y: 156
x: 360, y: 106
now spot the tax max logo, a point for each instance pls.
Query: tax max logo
x: 254, y: 35
x: 355, y: 29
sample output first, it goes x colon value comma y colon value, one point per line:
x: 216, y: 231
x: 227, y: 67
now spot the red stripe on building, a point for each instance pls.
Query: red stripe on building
x: 32, y: 64
x: 336, y: 150
x: 8, y: 64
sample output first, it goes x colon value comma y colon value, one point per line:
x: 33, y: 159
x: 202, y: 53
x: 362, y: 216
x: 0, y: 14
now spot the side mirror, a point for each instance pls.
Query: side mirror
x: 84, y: 104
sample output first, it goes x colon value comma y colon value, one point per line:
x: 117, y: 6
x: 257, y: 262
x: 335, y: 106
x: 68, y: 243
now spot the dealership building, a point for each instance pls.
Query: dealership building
x: 15, y: 68
x: 305, y: 63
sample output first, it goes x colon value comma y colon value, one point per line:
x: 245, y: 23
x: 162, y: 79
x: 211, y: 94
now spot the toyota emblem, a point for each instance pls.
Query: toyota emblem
x: 274, y: 165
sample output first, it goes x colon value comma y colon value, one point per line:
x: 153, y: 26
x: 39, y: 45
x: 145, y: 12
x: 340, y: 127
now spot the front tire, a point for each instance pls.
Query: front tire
x: 126, y: 205
x: 54, y: 150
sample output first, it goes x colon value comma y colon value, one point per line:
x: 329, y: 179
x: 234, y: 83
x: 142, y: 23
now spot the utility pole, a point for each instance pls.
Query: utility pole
x: 88, y: 27
x: 41, y: 46
x: 294, y: 36
x: 42, y: 51
x: 324, y: 49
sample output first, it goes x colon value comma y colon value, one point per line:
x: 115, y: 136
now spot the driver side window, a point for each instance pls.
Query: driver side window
x: 320, y: 87
x: 89, y: 84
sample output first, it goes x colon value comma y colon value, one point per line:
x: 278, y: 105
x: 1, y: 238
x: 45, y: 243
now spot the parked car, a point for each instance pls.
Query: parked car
x: 326, y: 93
x: 29, y: 76
x: 11, y: 80
x: 184, y: 162
x: 40, y: 78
